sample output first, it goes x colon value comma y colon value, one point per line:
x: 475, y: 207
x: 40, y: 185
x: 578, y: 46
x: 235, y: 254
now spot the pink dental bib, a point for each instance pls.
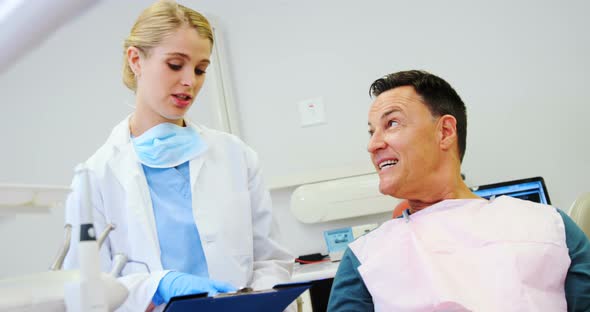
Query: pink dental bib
x: 468, y: 255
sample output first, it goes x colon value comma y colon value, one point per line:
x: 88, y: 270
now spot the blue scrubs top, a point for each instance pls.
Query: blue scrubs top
x: 180, y: 243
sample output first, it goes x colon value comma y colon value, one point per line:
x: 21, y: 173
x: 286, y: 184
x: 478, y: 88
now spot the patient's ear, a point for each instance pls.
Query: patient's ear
x: 447, y: 132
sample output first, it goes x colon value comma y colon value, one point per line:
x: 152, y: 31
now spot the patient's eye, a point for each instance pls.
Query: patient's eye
x: 392, y: 123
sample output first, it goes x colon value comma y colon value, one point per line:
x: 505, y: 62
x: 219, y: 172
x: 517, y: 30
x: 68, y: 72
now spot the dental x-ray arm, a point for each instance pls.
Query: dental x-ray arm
x: 24, y: 24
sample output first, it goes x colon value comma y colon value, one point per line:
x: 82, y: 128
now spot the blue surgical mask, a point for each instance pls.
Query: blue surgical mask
x: 168, y: 145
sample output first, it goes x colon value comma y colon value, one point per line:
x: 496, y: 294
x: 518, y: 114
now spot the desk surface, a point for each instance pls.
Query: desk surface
x: 315, y: 271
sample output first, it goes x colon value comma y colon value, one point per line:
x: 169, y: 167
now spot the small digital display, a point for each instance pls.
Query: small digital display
x: 338, y: 239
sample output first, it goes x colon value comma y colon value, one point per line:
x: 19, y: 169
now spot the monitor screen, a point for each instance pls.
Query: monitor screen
x: 532, y: 189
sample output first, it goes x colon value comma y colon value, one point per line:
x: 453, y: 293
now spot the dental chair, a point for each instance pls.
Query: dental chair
x: 580, y: 212
x: 399, y: 209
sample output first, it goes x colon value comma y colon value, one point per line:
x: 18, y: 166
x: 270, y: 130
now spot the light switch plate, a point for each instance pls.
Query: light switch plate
x: 312, y: 112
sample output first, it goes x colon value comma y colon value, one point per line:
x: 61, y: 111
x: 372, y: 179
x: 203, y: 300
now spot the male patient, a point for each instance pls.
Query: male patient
x: 452, y: 250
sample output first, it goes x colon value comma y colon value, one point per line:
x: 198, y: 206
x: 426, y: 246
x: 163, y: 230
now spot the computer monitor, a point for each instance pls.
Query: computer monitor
x: 532, y: 189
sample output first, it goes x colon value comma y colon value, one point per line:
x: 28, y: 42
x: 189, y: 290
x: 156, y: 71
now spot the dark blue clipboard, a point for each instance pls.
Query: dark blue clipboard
x: 271, y: 300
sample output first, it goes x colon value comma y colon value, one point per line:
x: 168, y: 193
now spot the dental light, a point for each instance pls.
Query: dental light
x: 25, y: 24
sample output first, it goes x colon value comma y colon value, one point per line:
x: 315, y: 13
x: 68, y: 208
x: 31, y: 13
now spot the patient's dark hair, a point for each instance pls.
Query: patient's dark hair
x: 438, y: 95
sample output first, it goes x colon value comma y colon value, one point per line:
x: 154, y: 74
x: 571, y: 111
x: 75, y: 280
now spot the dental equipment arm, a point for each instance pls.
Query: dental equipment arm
x: 45, y: 291
x: 104, y: 234
x: 119, y: 262
x: 59, y: 260
x: 92, y: 291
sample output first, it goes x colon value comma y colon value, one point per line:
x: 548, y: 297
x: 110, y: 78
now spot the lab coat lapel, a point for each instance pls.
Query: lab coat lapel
x: 196, y: 163
x: 202, y: 206
x: 140, y: 215
x: 195, y: 168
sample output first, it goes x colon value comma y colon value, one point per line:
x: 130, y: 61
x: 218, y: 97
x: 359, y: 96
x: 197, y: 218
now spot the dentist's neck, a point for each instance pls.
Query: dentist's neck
x: 142, y: 120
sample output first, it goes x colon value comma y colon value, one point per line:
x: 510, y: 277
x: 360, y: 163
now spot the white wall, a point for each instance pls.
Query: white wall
x: 521, y: 69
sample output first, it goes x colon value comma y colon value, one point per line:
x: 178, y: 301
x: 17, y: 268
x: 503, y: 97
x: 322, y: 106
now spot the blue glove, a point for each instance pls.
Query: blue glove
x: 178, y: 284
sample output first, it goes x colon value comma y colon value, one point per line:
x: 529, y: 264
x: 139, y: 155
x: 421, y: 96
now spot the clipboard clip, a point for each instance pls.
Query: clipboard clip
x: 244, y: 290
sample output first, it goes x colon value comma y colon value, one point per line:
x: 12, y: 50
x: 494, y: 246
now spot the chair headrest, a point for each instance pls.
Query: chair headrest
x: 580, y: 212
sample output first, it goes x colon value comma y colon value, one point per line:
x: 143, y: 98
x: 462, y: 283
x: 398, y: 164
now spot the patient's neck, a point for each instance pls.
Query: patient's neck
x: 457, y: 190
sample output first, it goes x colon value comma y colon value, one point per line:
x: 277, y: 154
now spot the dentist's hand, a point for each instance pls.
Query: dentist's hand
x: 178, y: 284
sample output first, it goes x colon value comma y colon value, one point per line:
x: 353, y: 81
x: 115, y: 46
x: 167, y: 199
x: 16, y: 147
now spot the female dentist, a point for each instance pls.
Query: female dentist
x: 190, y: 209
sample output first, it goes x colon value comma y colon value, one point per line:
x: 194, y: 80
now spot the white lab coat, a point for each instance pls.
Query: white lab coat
x: 231, y: 209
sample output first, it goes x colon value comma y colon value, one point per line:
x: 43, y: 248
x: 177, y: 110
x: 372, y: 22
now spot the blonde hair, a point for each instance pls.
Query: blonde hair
x: 154, y: 24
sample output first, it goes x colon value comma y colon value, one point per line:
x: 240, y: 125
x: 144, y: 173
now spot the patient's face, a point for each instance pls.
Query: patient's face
x: 403, y: 143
